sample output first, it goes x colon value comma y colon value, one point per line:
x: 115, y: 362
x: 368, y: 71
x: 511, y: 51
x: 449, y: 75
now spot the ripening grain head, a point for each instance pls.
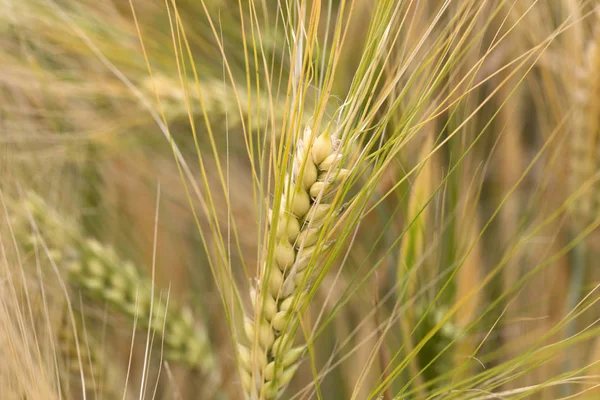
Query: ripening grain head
x: 339, y: 199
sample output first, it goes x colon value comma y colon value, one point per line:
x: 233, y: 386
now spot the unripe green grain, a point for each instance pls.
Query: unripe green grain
x: 98, y: 271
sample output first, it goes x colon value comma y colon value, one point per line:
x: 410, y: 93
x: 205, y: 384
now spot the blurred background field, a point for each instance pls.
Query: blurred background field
x: 129, y: 124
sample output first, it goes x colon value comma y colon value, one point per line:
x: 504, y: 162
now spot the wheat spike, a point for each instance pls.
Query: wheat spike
x: 102, y: 275
x: 269, y: 365
x: 585, y: 144
x: 98, y: 270
x: 81, y: 354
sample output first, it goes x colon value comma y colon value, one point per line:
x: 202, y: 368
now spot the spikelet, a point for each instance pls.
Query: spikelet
x: 98, y: 271
x: 414, y: 242
x: 585, y: 140
x: 267, y: 368
x: 218, y: 99
x: 592, y: 117
x: 80, y: 355
x: 103, y: 276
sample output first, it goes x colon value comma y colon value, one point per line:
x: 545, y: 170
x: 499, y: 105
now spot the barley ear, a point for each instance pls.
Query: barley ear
x: 84, y: 362
x: 101, y: 274
x: 268, y: 365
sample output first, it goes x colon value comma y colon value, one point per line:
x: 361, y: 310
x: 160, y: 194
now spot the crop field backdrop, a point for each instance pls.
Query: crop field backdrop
x: 299, y: 199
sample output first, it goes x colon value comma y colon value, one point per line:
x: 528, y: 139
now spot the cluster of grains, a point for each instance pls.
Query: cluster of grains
x: 585, y: 141
x: 271, y: 361
x: 218, y: 99
x: 98, y: 271
x: 74, y: 346
x: 592, y: 116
